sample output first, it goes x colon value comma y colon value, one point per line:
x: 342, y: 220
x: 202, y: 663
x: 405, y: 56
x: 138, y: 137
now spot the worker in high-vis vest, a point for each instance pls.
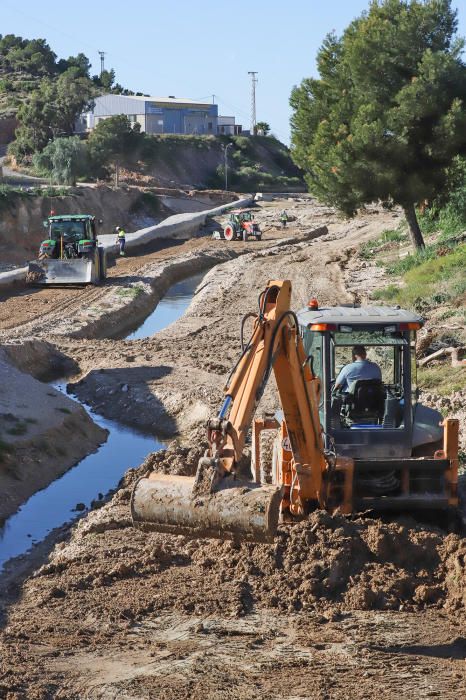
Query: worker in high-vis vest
x: 121, y: 239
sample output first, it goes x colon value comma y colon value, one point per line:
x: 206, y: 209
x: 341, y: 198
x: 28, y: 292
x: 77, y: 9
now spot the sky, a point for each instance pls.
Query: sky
x: 196, y: 49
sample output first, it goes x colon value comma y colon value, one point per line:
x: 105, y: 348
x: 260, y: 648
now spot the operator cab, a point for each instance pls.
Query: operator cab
x: 376, y: 414
x: 243, y: 214
x: 69, y: 236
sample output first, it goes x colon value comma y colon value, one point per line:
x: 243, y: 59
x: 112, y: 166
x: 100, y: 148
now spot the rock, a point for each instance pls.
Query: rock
x: 56, y: 592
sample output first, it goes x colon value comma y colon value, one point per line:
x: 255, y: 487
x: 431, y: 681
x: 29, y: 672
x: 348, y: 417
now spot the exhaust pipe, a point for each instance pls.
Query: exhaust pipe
x: 238, y: 510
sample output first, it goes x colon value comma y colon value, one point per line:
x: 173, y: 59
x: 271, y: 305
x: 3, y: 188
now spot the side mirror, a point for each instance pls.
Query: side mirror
x: 45, y: 224
x: 100, y: 222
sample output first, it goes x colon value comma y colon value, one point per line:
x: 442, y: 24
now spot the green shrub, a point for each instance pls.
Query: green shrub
x: 147, y: 201
x: 18, y: 429
x: 5, y: 450
x: 130, y: 291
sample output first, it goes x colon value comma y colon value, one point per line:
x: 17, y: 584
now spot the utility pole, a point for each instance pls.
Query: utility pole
x: 253, y: 74
x: 225, y: 153
x: 102, y: 59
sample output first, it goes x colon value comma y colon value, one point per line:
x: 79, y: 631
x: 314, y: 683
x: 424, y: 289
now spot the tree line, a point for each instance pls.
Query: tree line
x: 62, y: 90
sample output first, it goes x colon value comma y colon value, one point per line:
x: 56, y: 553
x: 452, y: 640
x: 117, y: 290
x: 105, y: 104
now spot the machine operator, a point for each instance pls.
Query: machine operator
x: 359, y: 368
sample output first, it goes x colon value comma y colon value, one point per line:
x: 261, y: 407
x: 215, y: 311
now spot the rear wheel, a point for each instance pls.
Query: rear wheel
x: 229, y: 232
x: 102, y: 264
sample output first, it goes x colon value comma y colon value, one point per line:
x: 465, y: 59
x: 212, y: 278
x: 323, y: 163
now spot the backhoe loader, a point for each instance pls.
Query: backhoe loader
x: 372, y: 448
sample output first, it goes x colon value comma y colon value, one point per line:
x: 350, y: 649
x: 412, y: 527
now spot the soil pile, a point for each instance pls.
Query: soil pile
x: 110, y: 571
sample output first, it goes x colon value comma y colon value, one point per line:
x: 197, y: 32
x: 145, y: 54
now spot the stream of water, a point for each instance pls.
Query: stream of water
x: 169, y: 309
x: 98, y: 472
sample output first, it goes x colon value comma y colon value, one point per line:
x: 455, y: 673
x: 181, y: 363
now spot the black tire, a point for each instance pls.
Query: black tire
x: 102, y: 264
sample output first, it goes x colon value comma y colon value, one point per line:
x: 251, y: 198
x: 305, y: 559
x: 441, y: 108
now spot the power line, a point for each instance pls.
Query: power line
x: 231, y: 106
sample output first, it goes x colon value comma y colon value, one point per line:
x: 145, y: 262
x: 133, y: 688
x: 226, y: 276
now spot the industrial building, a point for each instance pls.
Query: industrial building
x: 160, y: 115
x: 227, y: 125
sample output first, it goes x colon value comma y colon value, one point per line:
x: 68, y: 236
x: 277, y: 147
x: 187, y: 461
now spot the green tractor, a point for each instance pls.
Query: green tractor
x: 241, y: 226
x: 70, y: 254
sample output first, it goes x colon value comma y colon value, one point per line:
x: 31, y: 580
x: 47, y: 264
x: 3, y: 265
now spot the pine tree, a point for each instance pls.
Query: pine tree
x: 387, y: 115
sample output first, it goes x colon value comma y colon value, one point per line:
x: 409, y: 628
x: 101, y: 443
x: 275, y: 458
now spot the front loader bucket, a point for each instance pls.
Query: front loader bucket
x: 50, y: 271
x: 235, y: 510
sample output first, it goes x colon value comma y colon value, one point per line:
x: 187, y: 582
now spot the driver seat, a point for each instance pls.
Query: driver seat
x: 365, y: 403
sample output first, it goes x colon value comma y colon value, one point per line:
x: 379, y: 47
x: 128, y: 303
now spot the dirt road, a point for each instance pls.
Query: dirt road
x: 333, y: 609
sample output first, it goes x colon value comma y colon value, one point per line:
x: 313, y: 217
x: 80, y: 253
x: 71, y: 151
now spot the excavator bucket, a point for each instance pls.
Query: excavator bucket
x: 50, y: 271
x: 234, y: 510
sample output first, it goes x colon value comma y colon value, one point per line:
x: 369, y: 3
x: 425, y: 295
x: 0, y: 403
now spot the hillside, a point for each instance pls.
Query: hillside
x: 41, y: 96
x: 23, y: 64
x: 254, y: 163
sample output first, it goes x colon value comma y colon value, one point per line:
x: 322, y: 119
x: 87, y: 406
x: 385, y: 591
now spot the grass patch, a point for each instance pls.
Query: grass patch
x: 5, y: 450
x: 64, y: 410
x: 429, y: 280
x: 449, y: 221
x: 129, y: 291
x: 369, y: 249
x: 18, y: 429
x: 443, y: 379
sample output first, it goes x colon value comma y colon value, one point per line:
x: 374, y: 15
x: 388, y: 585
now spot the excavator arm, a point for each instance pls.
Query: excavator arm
x: 216, y: 502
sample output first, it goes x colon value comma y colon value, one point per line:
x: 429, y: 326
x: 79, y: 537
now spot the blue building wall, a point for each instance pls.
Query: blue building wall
x: 156, y: 116
x: 184, y: 120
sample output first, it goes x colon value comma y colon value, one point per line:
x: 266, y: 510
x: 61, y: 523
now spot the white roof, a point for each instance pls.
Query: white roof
x: 168, y: 100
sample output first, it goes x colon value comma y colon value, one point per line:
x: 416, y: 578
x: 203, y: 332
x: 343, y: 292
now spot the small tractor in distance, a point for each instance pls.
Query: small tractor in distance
x: 241, y: 226
x: 70, y: 254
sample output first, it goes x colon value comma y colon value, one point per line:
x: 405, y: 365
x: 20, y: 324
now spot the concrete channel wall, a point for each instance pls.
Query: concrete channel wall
x: 179, y: 226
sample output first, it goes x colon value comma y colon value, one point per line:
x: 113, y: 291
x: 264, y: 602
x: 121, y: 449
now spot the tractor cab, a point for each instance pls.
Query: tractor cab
x: 71, y: 253
x: 368, y: 407
x: 241, y: 226
x: 72, y: 236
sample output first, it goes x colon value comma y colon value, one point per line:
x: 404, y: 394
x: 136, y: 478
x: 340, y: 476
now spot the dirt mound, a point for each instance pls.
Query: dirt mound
x: 326, y: 564
x: 40, y: 359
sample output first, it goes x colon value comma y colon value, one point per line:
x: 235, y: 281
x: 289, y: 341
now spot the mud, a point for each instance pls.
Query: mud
x: 145, y: 602
x: 335, y: 608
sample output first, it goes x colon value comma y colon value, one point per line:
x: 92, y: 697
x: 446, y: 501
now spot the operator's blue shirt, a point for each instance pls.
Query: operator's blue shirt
x: 361, y: 369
